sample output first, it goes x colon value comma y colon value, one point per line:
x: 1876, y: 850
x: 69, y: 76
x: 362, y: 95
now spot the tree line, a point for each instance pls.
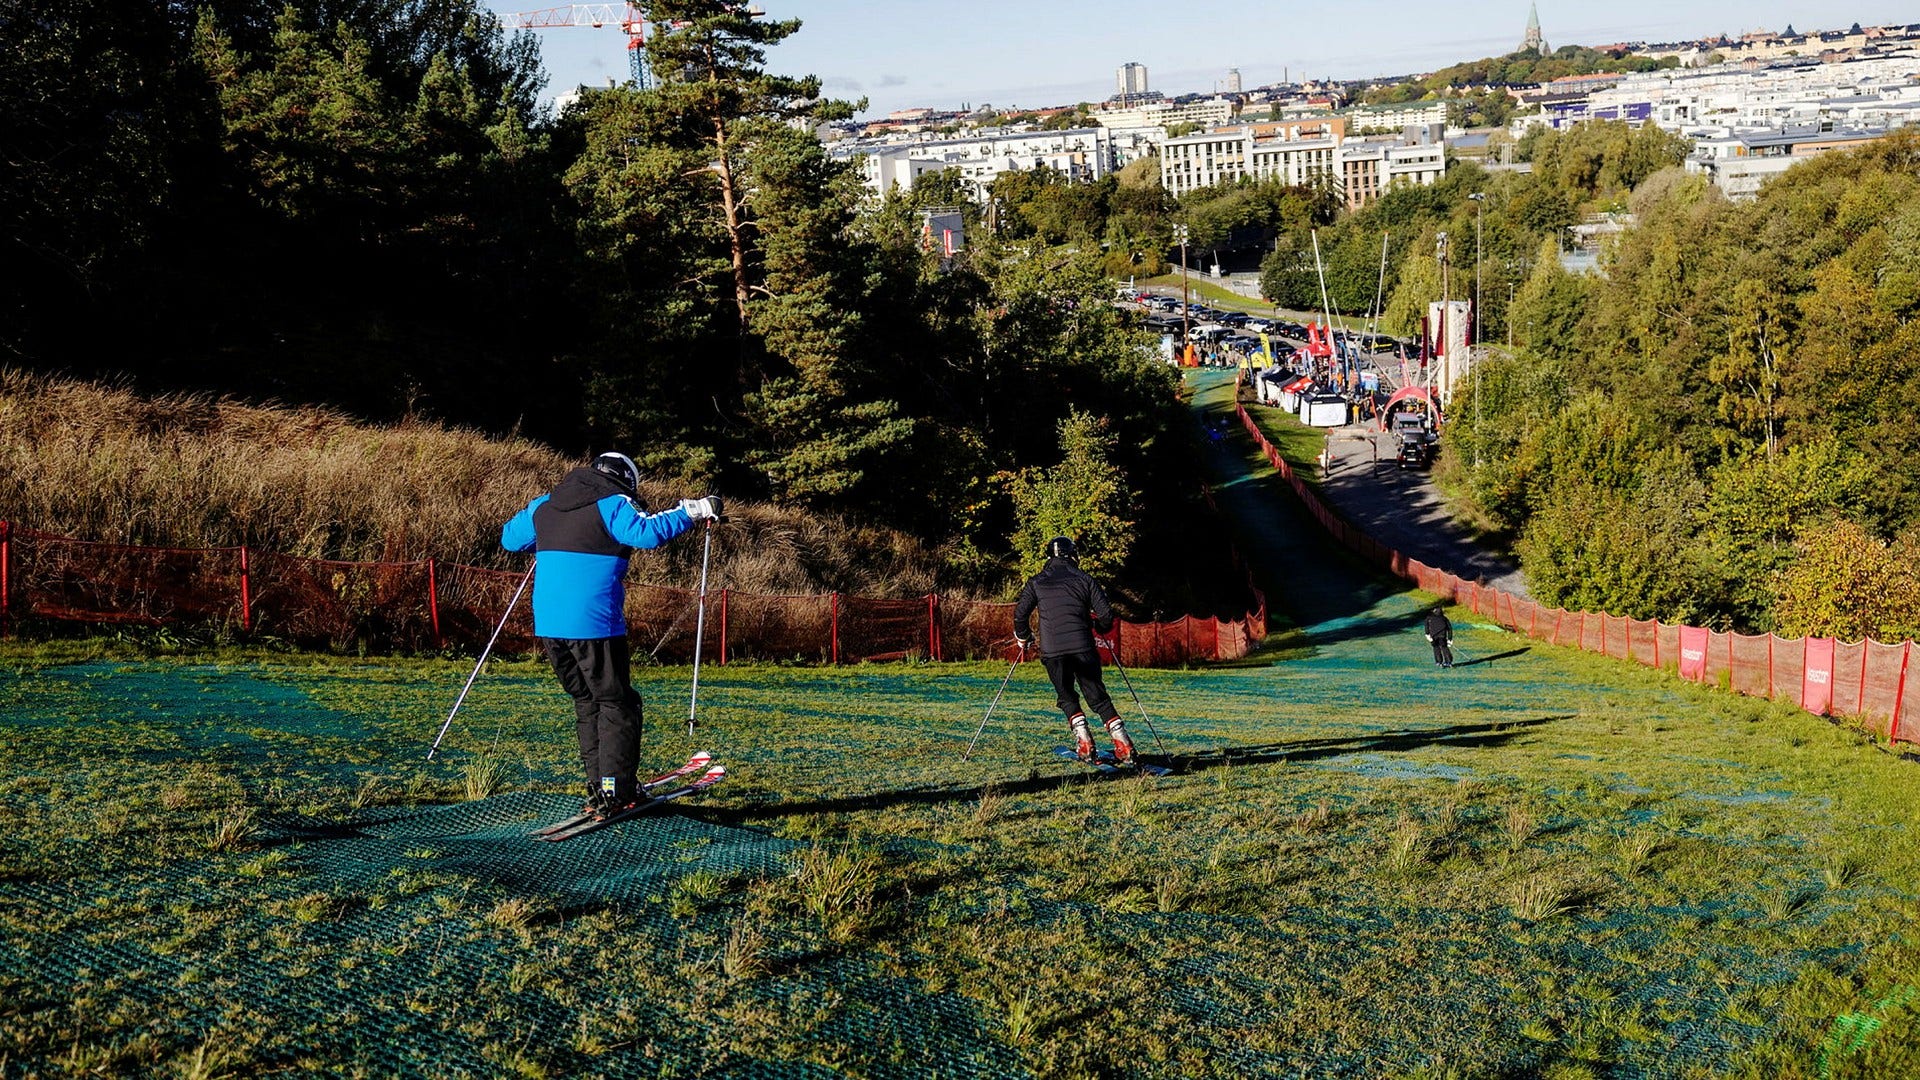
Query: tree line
x: 363, y: 204
x: 1716, y: 426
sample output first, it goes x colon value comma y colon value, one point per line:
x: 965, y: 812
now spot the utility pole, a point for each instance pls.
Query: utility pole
x: 1477, y: 353
x: 1180, y: 234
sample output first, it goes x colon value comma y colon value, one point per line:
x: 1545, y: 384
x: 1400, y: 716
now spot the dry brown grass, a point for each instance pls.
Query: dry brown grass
x: 99, y: 462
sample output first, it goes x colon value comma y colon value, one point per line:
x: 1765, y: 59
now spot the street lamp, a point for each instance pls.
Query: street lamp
x: 1180, y: 234
x: 1477, y: 353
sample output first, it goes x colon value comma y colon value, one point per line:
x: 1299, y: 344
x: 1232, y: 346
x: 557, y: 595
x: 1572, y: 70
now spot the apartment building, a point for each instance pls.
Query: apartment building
x: 1084, y: 154
x: 1301, y: 152
x: 1372, y: 118
x: 1369, y: 168
x: 1739, y: 162
x: 1160, y: 114
x: 1736, y: 96
x: 1214, y: 157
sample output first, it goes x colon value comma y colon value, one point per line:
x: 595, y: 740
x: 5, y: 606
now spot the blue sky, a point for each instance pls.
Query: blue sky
x: 943, y: 53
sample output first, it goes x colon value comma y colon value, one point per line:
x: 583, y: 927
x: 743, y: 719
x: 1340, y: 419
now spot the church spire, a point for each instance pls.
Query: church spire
x: 1533, y: 42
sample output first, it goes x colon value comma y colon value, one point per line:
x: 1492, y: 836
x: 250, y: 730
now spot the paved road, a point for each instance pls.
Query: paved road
x: 1400, y: 508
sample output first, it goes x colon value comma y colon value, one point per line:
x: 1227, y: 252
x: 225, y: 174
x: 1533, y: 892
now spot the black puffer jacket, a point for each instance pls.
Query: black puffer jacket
x: 1066, y: 596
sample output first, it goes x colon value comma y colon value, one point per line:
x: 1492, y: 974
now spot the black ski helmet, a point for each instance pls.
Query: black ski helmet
x: 620, y: 467
x: 1062, y: 548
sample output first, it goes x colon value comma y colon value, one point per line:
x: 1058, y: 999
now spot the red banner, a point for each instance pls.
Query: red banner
x: 1816, y: 686
x: 1693, y: 653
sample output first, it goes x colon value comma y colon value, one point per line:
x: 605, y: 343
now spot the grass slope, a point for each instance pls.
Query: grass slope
x: 1536, y: 864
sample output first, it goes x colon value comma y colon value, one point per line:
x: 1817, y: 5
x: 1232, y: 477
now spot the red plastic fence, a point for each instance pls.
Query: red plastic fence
x: 1867, y: 679
x: 425, y: 605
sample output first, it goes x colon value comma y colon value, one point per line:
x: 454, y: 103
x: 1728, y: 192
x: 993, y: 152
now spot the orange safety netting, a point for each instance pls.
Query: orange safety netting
x: 427, y: 605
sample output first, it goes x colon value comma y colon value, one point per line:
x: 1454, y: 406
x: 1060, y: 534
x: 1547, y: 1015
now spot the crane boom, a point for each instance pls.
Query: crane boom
x: 627, y: 17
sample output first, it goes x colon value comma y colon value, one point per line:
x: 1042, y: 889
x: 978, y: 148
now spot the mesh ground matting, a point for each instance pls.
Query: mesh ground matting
x: 389, y: 955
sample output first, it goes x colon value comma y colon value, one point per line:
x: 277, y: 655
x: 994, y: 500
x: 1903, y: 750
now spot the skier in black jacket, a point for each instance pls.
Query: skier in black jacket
x: 1072, y: 609
x: 1440, y: 636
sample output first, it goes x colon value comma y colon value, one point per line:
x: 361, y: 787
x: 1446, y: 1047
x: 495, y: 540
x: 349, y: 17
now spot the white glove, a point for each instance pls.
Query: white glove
x: 701, y: 509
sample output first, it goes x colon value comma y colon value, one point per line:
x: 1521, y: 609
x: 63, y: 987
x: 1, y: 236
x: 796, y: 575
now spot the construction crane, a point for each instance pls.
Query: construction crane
x: 626, y: 17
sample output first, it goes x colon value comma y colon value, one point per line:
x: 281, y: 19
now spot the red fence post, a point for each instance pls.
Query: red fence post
x: 1899, y: 694
x: 834, y: 611
x: 6, y: 578
x: 723, y: 627
x: 246, y: 590
x: 933, y: 627
x: 433, y: 605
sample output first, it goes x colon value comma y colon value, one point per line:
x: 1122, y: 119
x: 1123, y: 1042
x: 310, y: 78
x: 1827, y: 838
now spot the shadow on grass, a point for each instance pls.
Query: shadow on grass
x: 1509, y: 654
x: 1463, y: 736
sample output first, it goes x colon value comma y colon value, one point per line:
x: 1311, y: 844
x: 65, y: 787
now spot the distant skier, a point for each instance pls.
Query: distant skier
x: 1440, y: 636
x: 583, y: 534
x: 1072, y: 609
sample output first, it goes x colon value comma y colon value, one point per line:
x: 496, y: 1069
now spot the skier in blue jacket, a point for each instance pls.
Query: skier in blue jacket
x: 582, y: 534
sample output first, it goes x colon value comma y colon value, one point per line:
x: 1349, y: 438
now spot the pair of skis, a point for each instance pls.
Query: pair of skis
x: 1106, y: 763
x: 654, y: 795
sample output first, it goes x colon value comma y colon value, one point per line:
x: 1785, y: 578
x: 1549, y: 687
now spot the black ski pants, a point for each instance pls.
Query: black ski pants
x: 1082, y: 668
x: 1443, y: 651
x: 597, y: 673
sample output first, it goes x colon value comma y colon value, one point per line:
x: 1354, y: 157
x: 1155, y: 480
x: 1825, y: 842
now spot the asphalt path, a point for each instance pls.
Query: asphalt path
x: 1402, y: 509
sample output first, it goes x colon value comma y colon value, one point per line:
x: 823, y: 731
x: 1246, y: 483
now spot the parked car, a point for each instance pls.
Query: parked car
x: 1415, y: 451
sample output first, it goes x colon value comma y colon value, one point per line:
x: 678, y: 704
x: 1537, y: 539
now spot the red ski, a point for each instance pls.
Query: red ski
x: 696, y: 763
x: 708, y: 779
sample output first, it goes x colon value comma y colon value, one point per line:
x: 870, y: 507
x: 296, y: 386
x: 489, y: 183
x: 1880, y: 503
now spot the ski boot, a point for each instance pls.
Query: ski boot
x: 615, y: 797
x: 1122, y: 746
x: 596, y: 798
x: 1082, y: 738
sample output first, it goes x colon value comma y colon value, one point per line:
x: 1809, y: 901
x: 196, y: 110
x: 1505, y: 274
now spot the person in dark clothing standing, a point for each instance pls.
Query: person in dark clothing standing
x: 1440, y: 636
x: 582, y: 534
x: 1072, y: 609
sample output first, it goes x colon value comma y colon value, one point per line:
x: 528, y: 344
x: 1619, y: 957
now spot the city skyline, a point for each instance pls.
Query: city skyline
x: 942, y: 54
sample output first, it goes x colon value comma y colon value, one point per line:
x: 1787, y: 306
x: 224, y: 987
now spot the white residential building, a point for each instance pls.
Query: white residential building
x: 1856, y: 91
x: 1363, y: 169
x: 1162, y: 114
x: 1738, y: 162
x: 1369, y: 168
x: 1084, y: 154
x: 1366, y: 118
x: 1752, y: 121
x: 1131, y: 79
x: 1197, y: 161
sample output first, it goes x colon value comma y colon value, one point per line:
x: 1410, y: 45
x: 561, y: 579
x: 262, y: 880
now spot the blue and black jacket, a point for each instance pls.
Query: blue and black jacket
x: 582, y: 535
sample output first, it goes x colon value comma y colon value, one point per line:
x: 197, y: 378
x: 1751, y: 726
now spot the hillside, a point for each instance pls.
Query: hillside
x: 100, y: 462
x: 1537, y: 863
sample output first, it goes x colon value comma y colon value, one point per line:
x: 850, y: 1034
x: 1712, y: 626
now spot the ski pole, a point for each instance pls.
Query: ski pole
x: 699, y: 627
x: 1019, y: 656
x: 1118, y: 666
x: 511, y: 604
